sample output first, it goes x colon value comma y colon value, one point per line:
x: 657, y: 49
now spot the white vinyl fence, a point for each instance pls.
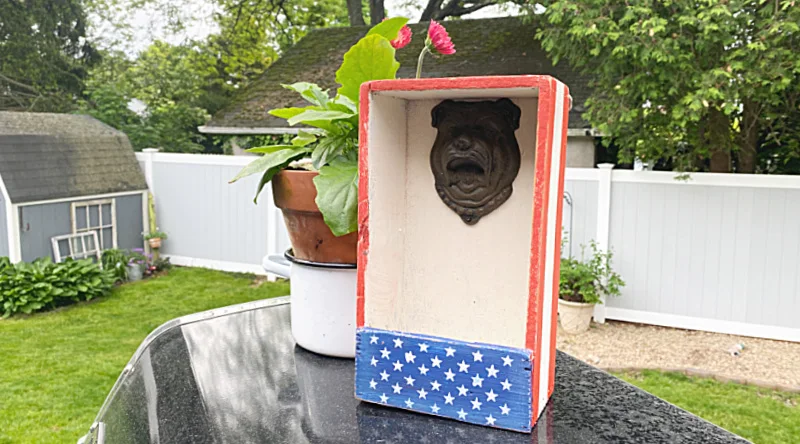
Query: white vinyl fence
x: 211, y: 223
x: 717, y: 252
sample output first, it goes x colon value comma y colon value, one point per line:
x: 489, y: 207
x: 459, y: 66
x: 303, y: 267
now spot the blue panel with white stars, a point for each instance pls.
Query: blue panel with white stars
x: 476, y: 383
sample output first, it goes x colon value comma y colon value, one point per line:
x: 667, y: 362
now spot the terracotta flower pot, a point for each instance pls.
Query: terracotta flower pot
x: 575, y: 317
x: 154, y: 242
x: 312, y: 240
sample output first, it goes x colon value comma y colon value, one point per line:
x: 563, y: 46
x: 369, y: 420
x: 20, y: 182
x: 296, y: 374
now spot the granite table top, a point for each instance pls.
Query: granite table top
x: 235, y: 375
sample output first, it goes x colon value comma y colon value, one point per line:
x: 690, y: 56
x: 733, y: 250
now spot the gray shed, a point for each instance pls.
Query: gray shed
x: 65, y: 174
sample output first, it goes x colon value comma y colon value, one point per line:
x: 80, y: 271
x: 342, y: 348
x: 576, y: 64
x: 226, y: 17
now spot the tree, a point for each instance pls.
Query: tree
x: 44, y: 56
x: 691, y: 81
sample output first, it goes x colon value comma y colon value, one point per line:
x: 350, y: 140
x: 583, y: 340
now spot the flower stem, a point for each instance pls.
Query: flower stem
x: 419, y: 61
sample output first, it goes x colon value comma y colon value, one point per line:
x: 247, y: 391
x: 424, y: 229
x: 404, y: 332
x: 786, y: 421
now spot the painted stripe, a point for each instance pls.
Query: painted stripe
x: 544, y: 136
x: 551, y: 253
x: 562, y: 152
x: 363, y: 201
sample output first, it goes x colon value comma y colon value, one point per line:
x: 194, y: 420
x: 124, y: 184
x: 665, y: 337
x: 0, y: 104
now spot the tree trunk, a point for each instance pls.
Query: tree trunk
x: 377, y: 12
x: 718, y: 141
x: 430, y: 10
x: 355, y: 13
x: 748, y: 142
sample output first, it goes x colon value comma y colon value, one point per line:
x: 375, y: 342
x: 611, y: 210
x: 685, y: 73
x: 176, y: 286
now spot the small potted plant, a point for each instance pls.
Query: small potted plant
x: 315, y: 177
x: 154, y: 238
x: 582, y: 284
x: 315, y: 184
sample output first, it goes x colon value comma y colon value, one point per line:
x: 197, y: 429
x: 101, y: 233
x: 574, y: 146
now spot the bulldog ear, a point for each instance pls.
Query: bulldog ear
x: 436, y: 112
x: 510, y: 111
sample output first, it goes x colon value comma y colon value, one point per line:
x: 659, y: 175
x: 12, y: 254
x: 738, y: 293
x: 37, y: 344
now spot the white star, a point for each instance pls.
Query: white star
x: 504, y: 409
x: 409, y: 380
x: 476, y: 404
x: 462, y: 414
x: 373, y: 362
x: 477, y: 381
x: 449, y: 351
x: 398, y: 366
x: 409, y: 403
x: 422, y: 393
x: 477, y: 356
x: 384, y: 376
x: 490, y: 419
x: 463, y: 367
x: 423, y: 370
x: 423, y: 348
x: 435, y: 408
x: 507, y: 361
x: 398, y: 343
x: 506, y: 385
x: 373, y: 339
x: 449, y: 375
x: 491, y: 395
x: 384, y: 398
x: 435, y: 386
x: 492, y: 371
x: 396, y: 387
x: 385, y: 353
x: 449, y: 399
x: 372, y: 384
x: 435, y: 361
x: 410, y: 357
x: 462, y: 391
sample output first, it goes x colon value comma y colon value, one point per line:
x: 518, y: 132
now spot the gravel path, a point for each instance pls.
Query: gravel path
x: 621, y: 345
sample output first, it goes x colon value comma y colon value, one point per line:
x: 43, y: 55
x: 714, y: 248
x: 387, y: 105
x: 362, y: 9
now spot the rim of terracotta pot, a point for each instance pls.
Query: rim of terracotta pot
x: 289, y: 255
x: 574, y: 304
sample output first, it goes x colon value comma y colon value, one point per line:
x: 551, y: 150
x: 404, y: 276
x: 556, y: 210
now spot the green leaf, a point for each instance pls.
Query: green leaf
x: 272, y: 171
x: 372, y: 58
x: 311, y: 116
x: 343, y: 103
x: 337, y: 196
x: 303, y: 138
x: 328, y: 148
x: 269, y: 149
x: 311, y: 92
x: 268, y: 161
x: 288, y: 113
x: 389, y: 28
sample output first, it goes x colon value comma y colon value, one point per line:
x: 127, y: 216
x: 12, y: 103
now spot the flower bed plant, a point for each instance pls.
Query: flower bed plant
x: 43, y: 285
x: 586, y: 280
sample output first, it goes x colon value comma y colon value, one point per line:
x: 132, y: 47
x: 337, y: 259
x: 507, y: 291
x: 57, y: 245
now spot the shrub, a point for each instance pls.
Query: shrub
x: 587, y: 280
x: 116, y: 261
x: 41, y: 285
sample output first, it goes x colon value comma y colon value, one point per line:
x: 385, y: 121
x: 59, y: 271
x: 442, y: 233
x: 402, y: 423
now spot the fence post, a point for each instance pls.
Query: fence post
x: 603, y: 224
x: 149, y: 153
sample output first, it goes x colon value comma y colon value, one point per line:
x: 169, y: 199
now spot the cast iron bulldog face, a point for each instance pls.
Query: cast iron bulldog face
x: 475, y: 157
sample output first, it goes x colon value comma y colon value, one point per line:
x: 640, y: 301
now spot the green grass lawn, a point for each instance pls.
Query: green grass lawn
x: 760, y: 415
x: 56, y: 368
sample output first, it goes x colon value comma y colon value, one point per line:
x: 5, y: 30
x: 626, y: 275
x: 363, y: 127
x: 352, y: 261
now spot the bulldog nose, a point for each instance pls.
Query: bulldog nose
x: 461, y: 144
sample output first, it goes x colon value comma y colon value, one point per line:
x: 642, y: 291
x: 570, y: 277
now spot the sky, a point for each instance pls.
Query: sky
x: 148, y: 24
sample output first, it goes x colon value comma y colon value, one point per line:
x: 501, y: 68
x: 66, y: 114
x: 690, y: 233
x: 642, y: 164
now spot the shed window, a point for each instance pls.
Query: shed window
x: 99, y: 216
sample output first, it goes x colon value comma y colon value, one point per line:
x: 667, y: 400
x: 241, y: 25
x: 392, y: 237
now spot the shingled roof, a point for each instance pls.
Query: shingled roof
x: 51, y: 156
x: 500, y: 46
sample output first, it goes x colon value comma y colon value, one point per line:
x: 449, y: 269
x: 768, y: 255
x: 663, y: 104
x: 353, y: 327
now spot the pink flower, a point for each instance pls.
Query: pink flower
x: 438, y: 38
x: 403, y: 37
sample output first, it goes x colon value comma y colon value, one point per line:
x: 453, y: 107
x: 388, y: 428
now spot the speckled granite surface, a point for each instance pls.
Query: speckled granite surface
x: 236, y: 376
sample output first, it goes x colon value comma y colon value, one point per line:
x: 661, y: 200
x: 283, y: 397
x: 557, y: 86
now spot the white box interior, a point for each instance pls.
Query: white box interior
x: 427, y: 271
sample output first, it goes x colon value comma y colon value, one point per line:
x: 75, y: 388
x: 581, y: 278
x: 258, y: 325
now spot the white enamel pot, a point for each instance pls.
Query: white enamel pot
x: 323, y: 308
